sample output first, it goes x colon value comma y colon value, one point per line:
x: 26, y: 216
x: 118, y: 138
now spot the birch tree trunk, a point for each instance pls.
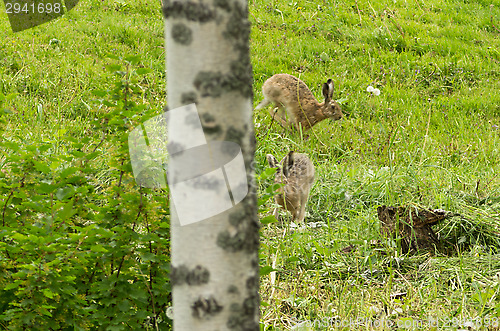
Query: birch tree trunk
x: 214, y: 275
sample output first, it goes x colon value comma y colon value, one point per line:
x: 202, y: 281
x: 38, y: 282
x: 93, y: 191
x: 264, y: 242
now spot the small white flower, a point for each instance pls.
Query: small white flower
x: 376, y: 91
x: 170, y: 313
x: 397, y: 311
x: 469, y: 325
x: 373, y: 310
x: 369, y: 88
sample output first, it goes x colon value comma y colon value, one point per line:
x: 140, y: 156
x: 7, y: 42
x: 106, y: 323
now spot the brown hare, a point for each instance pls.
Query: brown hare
x: 289, y: 93
x: 296, y: 172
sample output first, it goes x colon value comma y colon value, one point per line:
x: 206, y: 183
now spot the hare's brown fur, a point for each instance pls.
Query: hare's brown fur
x: 292, y: 95
x: 296, y: 171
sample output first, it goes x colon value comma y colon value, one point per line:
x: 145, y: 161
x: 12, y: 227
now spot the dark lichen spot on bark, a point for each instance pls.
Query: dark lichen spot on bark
x: 210, y: 126
x: 174, y: 148
x: 209, y: 84
x: 192, y: 119
x: 182, y: 34
x: 238, y: 26
x: 238, y: 31
x: 234, y: 135
x: 242, y: 317
x: 252, y: 283
x: 198, y: 276
x: 205, y: 307
x: 223, y: 4
x: 214, y: 84
x: 192, y: 11
x: 178, y: 275
x: 213, y: 131
x: 232, y: 243
x: 254, y: 262
x: 237, y: 217
x: 182, y: 275
x: 239, y: 78
x: 251, y: 303
x: 208, y: 118
x: 208, y: 184
x: 233, y: 289
x: 189, y: 98
x: 245, y: 239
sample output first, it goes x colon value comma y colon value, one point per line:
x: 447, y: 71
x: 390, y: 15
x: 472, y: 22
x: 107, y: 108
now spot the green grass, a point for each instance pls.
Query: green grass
x: 431, y: 138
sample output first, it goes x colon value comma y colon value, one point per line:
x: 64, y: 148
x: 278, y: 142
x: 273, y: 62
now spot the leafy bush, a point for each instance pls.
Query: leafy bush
x: 82, y: 247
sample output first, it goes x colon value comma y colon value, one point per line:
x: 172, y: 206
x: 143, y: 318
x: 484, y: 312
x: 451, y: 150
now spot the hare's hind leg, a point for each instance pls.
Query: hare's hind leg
x: 278, y: 114
x: 263, y: 103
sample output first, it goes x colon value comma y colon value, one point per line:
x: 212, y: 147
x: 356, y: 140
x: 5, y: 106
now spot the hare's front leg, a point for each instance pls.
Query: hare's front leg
x: 303, y: 204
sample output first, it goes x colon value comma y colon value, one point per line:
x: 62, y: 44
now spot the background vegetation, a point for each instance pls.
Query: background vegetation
x: 83, y: 248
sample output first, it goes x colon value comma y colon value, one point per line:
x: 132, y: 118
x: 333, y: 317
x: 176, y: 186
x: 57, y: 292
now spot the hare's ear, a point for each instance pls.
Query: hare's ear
x: 273, y: 163
x: 331, y: 87
x: 288, y: 161
x: 328, y: 88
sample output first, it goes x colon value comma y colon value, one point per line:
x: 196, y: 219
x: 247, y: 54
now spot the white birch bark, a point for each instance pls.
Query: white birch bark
x: 214, y: 276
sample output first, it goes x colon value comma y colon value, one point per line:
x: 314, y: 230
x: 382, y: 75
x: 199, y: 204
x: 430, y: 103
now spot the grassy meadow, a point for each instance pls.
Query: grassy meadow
x: 430, y: 139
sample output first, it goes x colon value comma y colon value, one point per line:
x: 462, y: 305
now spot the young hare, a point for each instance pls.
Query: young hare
x: 296, y: 171
x: 290, y: 93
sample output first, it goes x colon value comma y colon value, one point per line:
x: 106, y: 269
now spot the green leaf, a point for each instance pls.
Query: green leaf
x: 267, y: 173
x: 266, y: 270
x: 112, y: 56
x: 68, y: 172
x: 100, y: 93
x: 133, y: 59
x: 10, y: 96
x: 143, y: 71
x: 11, y: 286
x: 147, y: 257
x: 44, y: 309
x: 65, y: 192
x: 268, y: 219
x: 98, y: 249
x: 274, y: 187
x: 113, y: 67
x: 45, y: 188
x: 67, y: 211
x: 48, y: 293
x: 124, y: 305
x: 11, y: 145
x: 19, y: 237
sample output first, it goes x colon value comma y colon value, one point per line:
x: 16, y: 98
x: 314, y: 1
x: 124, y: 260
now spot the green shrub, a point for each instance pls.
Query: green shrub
x: 82, y: 247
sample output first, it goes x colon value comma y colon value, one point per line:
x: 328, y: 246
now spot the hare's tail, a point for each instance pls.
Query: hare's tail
x: 263, y: 104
